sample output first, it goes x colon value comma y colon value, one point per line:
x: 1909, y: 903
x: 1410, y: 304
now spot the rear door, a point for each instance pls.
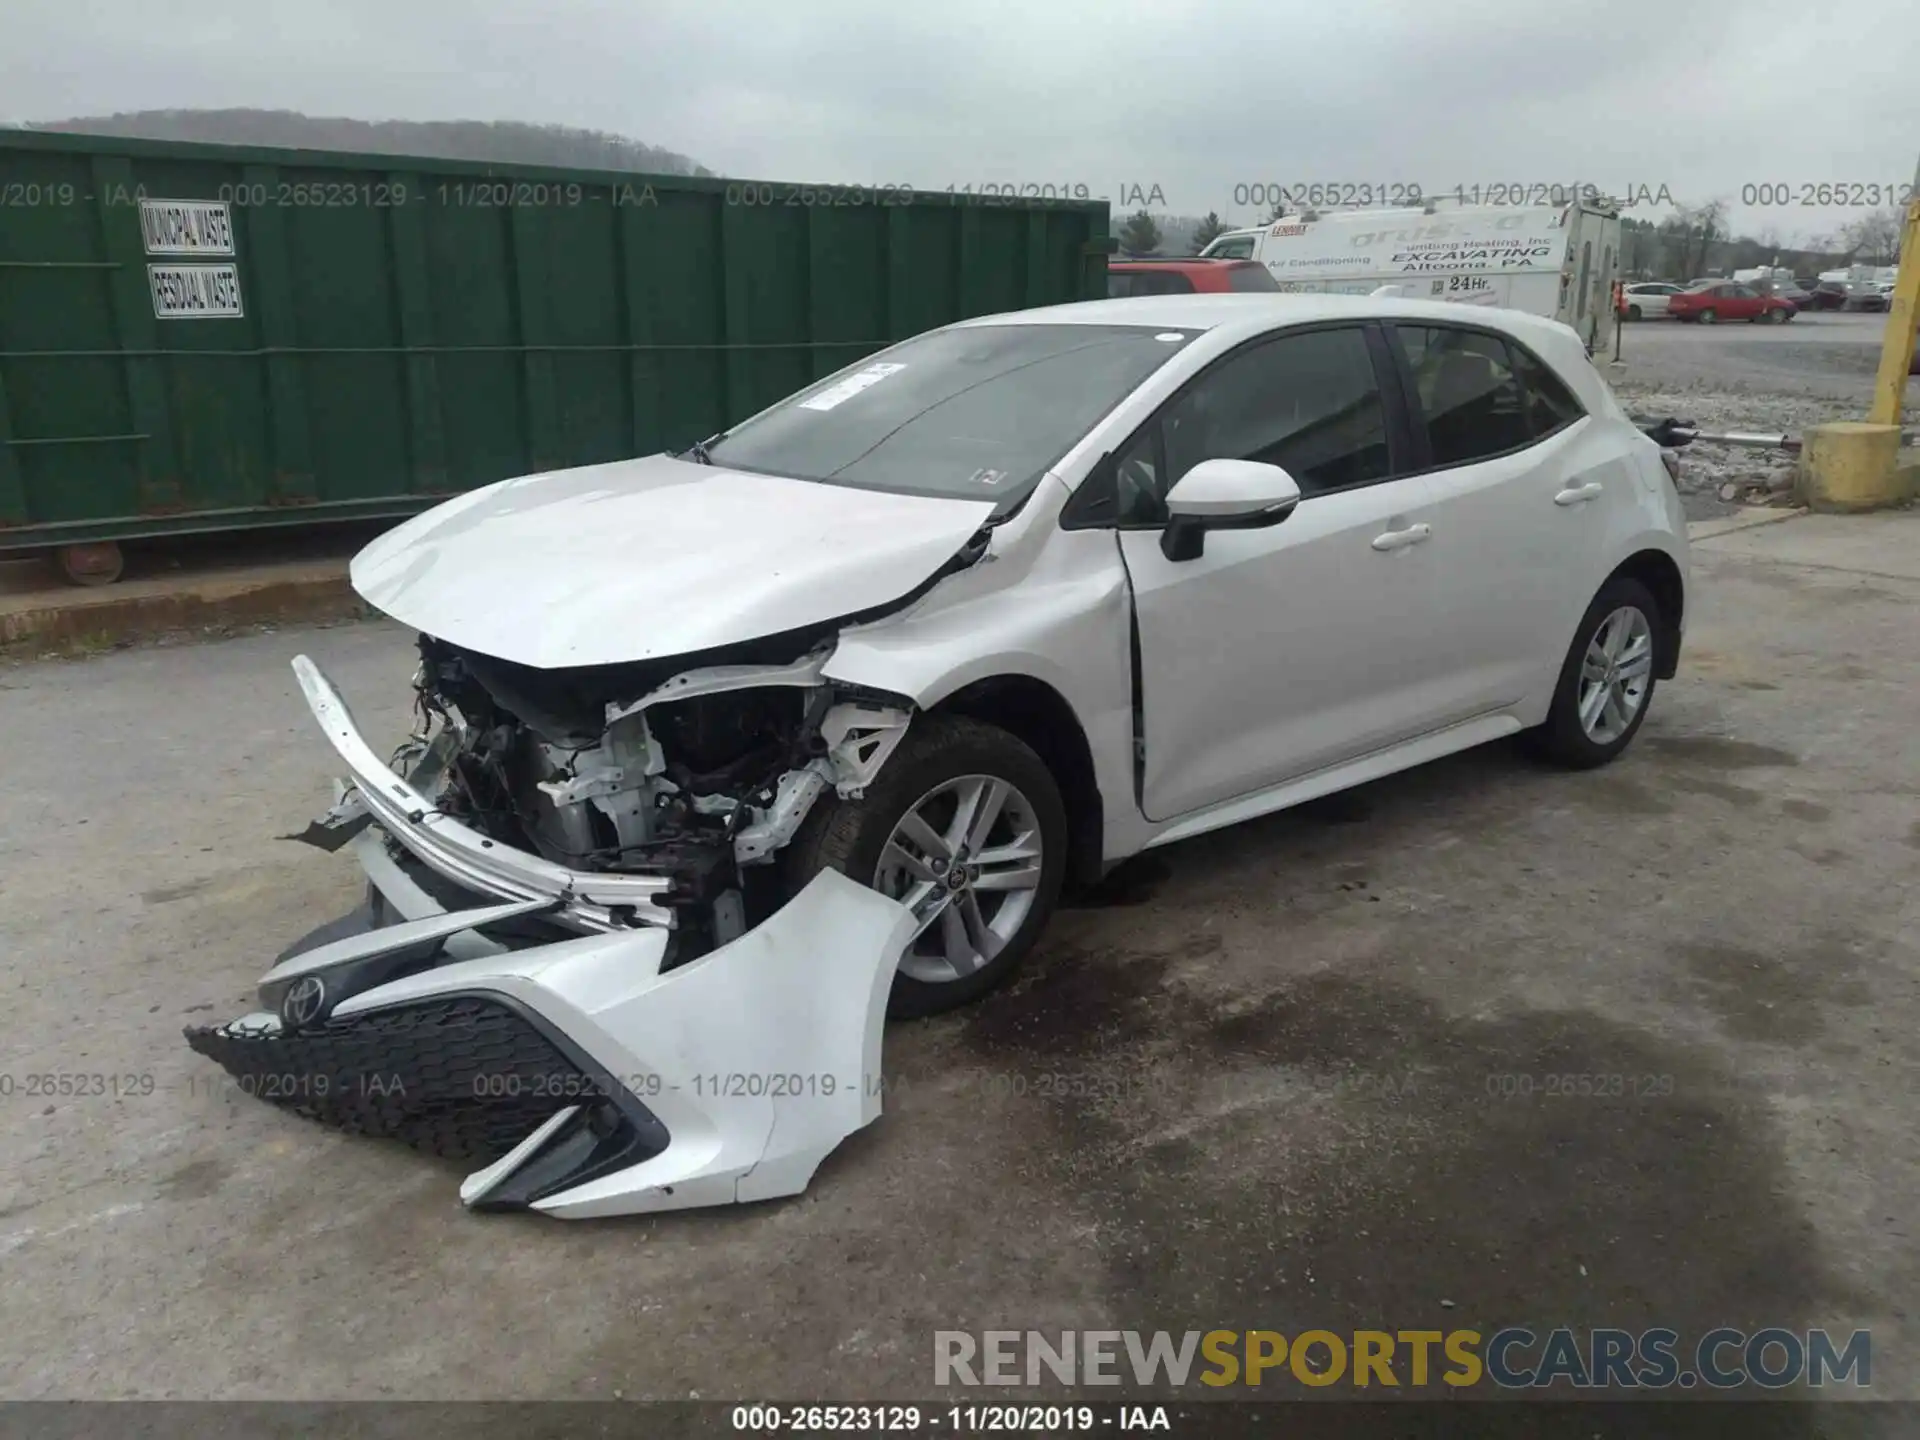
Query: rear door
x: 1519, y: 508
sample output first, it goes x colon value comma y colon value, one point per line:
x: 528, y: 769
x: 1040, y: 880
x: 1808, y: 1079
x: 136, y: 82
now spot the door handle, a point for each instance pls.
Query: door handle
x: 1580, y: 494
x: 1401, y: 539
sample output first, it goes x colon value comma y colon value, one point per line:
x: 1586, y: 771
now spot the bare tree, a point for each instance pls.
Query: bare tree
x: 1709, y: 225
x: 1873, y: 239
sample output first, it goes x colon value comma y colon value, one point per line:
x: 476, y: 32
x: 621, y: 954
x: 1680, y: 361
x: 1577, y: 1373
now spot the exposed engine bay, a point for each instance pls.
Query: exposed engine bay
x: 698, y: 774
x: 589, y: 957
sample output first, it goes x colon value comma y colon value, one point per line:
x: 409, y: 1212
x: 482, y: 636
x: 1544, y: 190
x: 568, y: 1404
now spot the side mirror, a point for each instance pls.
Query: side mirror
x: 1224, y: 495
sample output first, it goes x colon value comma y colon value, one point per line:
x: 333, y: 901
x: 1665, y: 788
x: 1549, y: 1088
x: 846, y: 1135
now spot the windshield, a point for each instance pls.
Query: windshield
x: 1240, y: 247
x: 977, y: 412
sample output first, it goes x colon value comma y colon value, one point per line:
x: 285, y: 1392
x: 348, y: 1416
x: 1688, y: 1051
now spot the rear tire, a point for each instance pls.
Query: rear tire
x: 945, y: 763
x: 1707, y: 317
x: 1607, y: 680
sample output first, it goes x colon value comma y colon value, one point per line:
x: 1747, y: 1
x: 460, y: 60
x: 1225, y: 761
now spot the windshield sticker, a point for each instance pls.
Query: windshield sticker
x: 1172, y: 336
x: 986, y: 477
x: 842, y: 391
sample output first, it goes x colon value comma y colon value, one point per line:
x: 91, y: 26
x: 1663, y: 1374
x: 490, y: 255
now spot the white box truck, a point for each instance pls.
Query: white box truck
x: 1558, y: 261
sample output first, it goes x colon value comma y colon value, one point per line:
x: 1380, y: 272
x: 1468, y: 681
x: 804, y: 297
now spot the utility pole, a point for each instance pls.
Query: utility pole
x: 1903, y: 310
x: 1852, y: 464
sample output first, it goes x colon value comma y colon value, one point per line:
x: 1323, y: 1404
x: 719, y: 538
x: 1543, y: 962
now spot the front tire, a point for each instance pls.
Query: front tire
x: 1607, y: 680
x: 1633, y: 312
x: 965, y: 826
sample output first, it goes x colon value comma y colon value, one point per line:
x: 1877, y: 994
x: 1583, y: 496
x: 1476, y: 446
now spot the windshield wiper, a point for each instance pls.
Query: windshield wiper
x: 698, y: 451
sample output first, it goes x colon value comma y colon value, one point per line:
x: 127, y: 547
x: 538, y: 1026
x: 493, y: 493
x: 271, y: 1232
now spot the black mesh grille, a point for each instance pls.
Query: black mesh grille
x: 465, y: 1078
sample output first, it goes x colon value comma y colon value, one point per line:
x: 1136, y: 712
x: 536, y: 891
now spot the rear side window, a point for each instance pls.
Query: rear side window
x: 1161, y: 282
x: 1251, y: 277
x: 1550, y: 404
x: 1473, y: 403
x: 1119, y: 285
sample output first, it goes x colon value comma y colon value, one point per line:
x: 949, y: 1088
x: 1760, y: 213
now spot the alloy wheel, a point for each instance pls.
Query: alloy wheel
x: 966, y: 858
x: 1614, y: 674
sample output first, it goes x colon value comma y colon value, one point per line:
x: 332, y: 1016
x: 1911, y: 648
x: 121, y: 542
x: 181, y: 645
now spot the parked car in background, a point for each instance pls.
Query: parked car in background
x: 1826, y: 295
x: 1127, y: 278
x: 1648, y: 299
x: 1793, y: 293
x: 1708, y: 301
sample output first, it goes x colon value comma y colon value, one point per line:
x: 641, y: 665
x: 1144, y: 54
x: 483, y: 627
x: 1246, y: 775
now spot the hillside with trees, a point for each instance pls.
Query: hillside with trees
x: 500, y: 142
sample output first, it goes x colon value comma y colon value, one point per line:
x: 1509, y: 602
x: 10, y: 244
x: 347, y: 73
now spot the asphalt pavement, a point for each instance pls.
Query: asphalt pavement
x: 1293, y: 1074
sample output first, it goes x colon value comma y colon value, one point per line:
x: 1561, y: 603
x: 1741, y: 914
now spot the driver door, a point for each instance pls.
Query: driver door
x: 1280, y: 651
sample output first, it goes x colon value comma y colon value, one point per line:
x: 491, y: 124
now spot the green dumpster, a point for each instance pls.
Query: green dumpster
x: 202, y: 337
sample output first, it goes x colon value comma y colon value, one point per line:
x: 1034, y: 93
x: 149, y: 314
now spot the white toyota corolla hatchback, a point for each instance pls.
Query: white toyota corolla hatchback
x: 724, y: 755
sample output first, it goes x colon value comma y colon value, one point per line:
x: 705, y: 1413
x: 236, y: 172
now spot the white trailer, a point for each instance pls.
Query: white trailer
x: 1557, y: 261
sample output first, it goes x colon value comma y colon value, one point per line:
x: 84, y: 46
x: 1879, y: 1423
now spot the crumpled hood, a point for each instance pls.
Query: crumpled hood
x: 645, y: 558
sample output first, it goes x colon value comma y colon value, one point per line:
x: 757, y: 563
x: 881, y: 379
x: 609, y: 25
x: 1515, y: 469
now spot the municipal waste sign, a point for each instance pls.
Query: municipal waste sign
x: 186, y: 227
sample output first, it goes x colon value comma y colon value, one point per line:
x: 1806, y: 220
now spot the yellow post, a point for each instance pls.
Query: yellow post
x: 1896, y: 349
x: 1853, y: 465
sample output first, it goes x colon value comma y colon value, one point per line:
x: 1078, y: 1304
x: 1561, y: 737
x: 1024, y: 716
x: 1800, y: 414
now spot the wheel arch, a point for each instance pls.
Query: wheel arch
x: 1661, y: 574
x: 1039, y: 716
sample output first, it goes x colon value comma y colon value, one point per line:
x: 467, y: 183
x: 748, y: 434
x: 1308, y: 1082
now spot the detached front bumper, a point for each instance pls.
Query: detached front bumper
x: 592, y: 1082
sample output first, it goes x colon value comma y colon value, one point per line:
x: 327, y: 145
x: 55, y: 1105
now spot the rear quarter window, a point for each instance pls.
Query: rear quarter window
x: 1161, y: 282
x: 1550, y: 404
x: 1251, y: 277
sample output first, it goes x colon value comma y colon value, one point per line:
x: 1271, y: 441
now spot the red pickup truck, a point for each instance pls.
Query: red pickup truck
x: 1185, y: 277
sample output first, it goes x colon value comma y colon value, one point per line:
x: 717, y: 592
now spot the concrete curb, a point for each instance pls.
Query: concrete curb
x: 80, y: 621
x: 1748, y: 517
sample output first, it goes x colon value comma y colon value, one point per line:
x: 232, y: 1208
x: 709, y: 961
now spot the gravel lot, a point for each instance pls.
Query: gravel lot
x: 1295, y: 1051
x: 1816, y: 368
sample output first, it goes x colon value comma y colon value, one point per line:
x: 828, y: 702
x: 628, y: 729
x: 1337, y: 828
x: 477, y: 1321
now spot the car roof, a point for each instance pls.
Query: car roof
x: 1256, y: 311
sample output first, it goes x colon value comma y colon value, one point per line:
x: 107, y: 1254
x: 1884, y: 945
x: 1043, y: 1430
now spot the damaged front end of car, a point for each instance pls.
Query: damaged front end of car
x: 579, y: 963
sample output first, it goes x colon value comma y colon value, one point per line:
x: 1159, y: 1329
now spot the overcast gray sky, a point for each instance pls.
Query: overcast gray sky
x: 1704, y: 97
